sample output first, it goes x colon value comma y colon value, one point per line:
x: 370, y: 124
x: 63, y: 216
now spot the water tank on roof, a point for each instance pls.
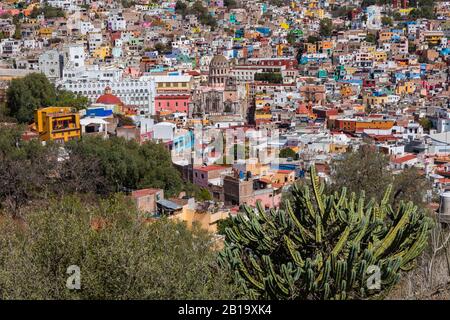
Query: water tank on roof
x: 444, y: 208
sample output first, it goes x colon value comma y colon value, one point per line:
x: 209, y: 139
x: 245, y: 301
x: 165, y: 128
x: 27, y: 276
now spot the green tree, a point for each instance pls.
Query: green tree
x: 287, y: 153
x: 128, y: 3
x: 28, y: 94
x: 324, y: 246
x: 202, y: 14
x: 312, y: 39
x: 126, y: 165
x: 368, y: 170
x: 181, y: 8
x: 326, y: 27
x: 163, y: 48
x: 18, y: 31
x: 34, y: 91
x: 426, y: 124
x: 125, y: 120
x: 387, y: 21
x: 119, y: 256
x: 230, y: 4
x: 203, y: 195
x: 371, y: 38
x: 69, y: 99
x: 271, y: 77
x: 223, y: 224
x: 26, y: 169
x: 397, y: 16
x: 48, y: 11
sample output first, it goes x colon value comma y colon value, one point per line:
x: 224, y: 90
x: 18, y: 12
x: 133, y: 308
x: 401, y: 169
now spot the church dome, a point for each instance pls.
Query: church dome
x: 219, y: 69
x: 108, y: 98
x: 219, y: 61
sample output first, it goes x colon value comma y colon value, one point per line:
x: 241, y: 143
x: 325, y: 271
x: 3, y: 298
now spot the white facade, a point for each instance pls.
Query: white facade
x: 243, y: 74
x: 95, y: 40
x: 116, y: 22
x: 164, y: 131
x: 9, y: 47
x: 443, y: 125
x: 86, y: 27
x: 74, y: 55
x: 132, y: 92
x: 63, y: 4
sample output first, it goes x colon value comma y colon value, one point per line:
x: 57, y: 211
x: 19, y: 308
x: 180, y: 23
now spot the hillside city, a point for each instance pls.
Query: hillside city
x: 222, y: 114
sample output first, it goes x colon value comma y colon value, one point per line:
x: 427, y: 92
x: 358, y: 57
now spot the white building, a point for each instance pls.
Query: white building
x: 116, y: 22
x: 74, y: 55
x: 164, y: 131
x: 245, y: 73
x: 95, y: 40
x: 86, y: 27
x: 373, y: 17
x: 63, y: 4
x: 137, y: 93
x: 51, y: 63
x: 9, y: 47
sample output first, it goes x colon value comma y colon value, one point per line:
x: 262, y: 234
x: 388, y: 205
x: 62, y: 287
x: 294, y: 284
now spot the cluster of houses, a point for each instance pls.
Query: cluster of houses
x: 267, y: 75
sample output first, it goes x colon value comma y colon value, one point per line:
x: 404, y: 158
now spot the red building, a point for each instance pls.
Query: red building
x: 172, y: 102
x: 348, y: 125
x: 369, y: 83
x: 288, y: 63
x: 324, y: 113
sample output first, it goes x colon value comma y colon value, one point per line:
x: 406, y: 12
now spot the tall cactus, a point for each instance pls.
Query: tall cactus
x: 323, y: 246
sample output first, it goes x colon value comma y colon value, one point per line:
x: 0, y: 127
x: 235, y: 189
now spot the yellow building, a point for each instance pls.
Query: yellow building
x: 359, y: 108
x: 338, y: 148
x: 369, y: 100
x: 57, y: 124
x: 206, y: 220
x: 379, y: 56
x: 102, y: 52
x: 283, y: 176
x: 407, y: 87
x: 346, y: 91
x: 310, y: 47
x: 46, y: 32
x: 433, y: 37
x: 173, y: 84
x: 263, y: 116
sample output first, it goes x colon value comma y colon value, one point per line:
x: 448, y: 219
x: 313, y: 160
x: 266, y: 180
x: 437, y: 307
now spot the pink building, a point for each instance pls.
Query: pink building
x: 266, y: 197
x: 201, y: 175
x: 172, y: 103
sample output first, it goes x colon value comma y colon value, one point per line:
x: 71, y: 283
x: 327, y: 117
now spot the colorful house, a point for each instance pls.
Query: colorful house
x: 57, y: 124
x: 172, y: 102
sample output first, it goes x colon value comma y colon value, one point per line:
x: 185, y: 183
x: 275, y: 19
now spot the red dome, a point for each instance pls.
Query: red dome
x: 108, y: 98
